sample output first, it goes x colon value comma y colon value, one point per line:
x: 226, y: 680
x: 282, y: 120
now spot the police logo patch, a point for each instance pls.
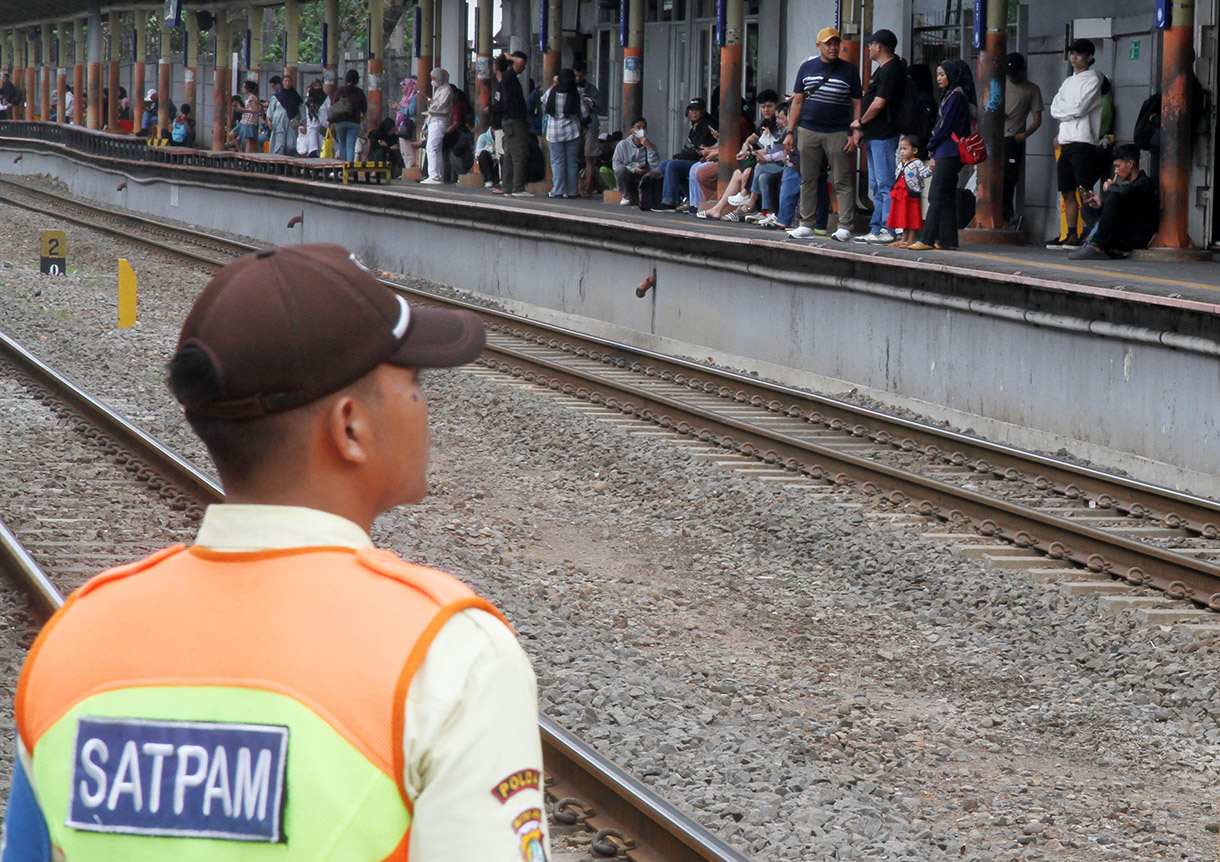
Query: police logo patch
x: 183, y: 779
x: 528, y: 826
x: 522, y: 779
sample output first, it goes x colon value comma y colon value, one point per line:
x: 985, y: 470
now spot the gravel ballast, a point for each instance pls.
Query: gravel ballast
x: 807, y: 680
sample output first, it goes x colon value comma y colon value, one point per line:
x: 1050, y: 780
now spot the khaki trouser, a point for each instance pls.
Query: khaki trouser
x: 814, y: 148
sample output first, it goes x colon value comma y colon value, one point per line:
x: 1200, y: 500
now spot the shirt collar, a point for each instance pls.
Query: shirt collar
x: 235, y: 527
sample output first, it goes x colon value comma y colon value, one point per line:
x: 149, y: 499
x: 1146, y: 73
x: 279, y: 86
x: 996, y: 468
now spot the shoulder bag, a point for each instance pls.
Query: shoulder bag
x: 971, y: 149
x: 341, y: 110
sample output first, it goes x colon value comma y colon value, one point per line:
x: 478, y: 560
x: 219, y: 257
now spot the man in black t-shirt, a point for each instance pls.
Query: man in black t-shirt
x: 508, y: 105
x: 877, y: 123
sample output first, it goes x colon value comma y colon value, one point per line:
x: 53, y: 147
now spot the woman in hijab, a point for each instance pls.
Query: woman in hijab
x: 957, y: 110
x: 567, y: 114
x: 404, y: 118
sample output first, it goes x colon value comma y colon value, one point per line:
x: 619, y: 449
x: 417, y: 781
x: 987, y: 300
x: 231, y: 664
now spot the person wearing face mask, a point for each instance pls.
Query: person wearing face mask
x: 440, y: 106
x: 635, y: 157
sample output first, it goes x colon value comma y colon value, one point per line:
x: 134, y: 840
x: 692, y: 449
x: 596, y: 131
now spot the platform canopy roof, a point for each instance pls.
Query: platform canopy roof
x: 21, y: 12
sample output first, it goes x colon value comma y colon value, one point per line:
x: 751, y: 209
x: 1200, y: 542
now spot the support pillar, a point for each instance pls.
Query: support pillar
x: 95, y: 64
x: 482, y: 64
x: 190, y: 59
x: 31, y: 82
x: 18, y: 53
x: 115, y: 20
x: 424, y: 57
x: 730, y: 91
x: 330, y: 45
x: 165, y: 81
x: 140, y: 61
x: 63, y: 40
x: 254, y: 26
x: 552, y: 57
x: 80, y: 101
x: 1177, y: 59
x: 633, y: 65
x: 376, y: 62
x: 989, y: 225
x: 292, y: 23
x: 220, y: 92
x: 47, y: 72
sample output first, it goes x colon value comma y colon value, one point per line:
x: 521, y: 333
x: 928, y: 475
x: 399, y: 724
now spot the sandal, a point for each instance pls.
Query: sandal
x: 498, y: 192
x: 747, y: 210
x: 733, y: 216
x: 701, y: 214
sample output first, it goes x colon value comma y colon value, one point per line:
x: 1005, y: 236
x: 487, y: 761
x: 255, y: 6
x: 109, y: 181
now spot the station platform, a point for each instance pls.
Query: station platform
x: 1196, y: 281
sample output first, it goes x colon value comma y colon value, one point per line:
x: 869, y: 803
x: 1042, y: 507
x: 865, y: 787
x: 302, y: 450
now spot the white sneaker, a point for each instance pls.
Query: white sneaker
x: 488, y: 184
x: 768, y: 220
x: 863, y: 238
x: 523, y: 194
x: 841, y: 235
x: 625, y: 202
x: 884, y: 237
x: 739, y: 199
x: 430, y: 182
x: 803, y: 233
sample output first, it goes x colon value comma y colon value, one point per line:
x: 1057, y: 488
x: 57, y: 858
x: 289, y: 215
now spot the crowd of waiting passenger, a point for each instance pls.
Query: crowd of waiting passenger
x: 797, y: 150
x: 912, y: 122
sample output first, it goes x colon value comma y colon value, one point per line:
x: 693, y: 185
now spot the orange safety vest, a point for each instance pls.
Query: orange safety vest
x: 323, y: 641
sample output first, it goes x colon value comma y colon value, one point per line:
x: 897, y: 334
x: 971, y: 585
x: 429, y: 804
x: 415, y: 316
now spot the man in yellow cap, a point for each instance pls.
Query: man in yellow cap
x: 825, y: 103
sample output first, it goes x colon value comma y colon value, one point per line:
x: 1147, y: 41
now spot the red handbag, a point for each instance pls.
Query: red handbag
x: 972, y: 150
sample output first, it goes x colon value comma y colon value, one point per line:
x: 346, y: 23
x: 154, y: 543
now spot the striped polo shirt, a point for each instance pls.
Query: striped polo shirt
x: 829, y: 89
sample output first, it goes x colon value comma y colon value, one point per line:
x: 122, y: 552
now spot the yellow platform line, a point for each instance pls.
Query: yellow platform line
x: 1130, y: 277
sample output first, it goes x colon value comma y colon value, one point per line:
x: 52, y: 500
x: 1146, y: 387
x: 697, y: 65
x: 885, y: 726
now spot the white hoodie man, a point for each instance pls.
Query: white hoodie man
x: 1077, y: 107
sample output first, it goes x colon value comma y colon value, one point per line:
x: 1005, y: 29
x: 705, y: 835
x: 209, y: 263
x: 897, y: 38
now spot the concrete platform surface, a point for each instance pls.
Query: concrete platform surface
x: 1197, y: 281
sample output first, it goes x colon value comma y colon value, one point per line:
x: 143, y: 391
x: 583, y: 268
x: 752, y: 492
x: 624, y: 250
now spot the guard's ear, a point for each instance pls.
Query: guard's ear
x: 348, y: 425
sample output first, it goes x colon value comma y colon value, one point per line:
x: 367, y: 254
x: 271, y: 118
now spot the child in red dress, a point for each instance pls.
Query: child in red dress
x: 905, y: 197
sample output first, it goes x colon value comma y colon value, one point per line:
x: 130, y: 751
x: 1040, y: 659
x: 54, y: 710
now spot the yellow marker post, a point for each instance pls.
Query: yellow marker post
x: 54, y: 257
x: 127, y: 295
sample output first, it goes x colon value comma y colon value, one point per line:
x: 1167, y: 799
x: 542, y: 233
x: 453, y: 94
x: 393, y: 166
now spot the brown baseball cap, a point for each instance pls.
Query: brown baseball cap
x: 286, y: 326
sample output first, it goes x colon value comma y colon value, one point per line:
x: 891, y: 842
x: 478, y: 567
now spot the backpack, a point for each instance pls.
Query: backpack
x: 178, y: 132
x: 1148, y: 124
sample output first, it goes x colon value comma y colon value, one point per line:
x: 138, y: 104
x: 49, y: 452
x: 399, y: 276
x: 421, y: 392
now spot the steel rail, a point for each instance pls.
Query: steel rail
x: 1139, y: 563
x: 149, y: 224
x: 1060, y: 538
x: 1109, y: 492
x: 655, y: 831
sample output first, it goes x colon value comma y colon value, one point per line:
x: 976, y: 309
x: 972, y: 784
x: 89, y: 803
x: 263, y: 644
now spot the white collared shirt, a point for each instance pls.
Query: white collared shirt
x: 471, y: 711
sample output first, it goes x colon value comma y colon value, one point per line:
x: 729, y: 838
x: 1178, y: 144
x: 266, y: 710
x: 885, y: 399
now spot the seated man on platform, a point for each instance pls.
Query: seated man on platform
x: 635, y: 157
x: 1125, y: 216
x: 699, y: 143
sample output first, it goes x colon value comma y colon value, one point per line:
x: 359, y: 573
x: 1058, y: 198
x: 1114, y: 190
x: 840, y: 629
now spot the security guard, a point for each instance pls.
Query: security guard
x: 280, y: 689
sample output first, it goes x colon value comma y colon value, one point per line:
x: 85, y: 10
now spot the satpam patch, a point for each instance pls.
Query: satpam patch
x: 528, y: 826
x: 522, y: 779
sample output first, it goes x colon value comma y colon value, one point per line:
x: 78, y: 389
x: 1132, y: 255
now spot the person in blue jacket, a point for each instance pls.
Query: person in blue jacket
x: 958, y: 107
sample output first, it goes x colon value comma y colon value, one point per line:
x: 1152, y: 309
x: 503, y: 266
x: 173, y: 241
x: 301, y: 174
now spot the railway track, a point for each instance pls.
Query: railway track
x: 1107, y: 524
x: 65, y: 533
